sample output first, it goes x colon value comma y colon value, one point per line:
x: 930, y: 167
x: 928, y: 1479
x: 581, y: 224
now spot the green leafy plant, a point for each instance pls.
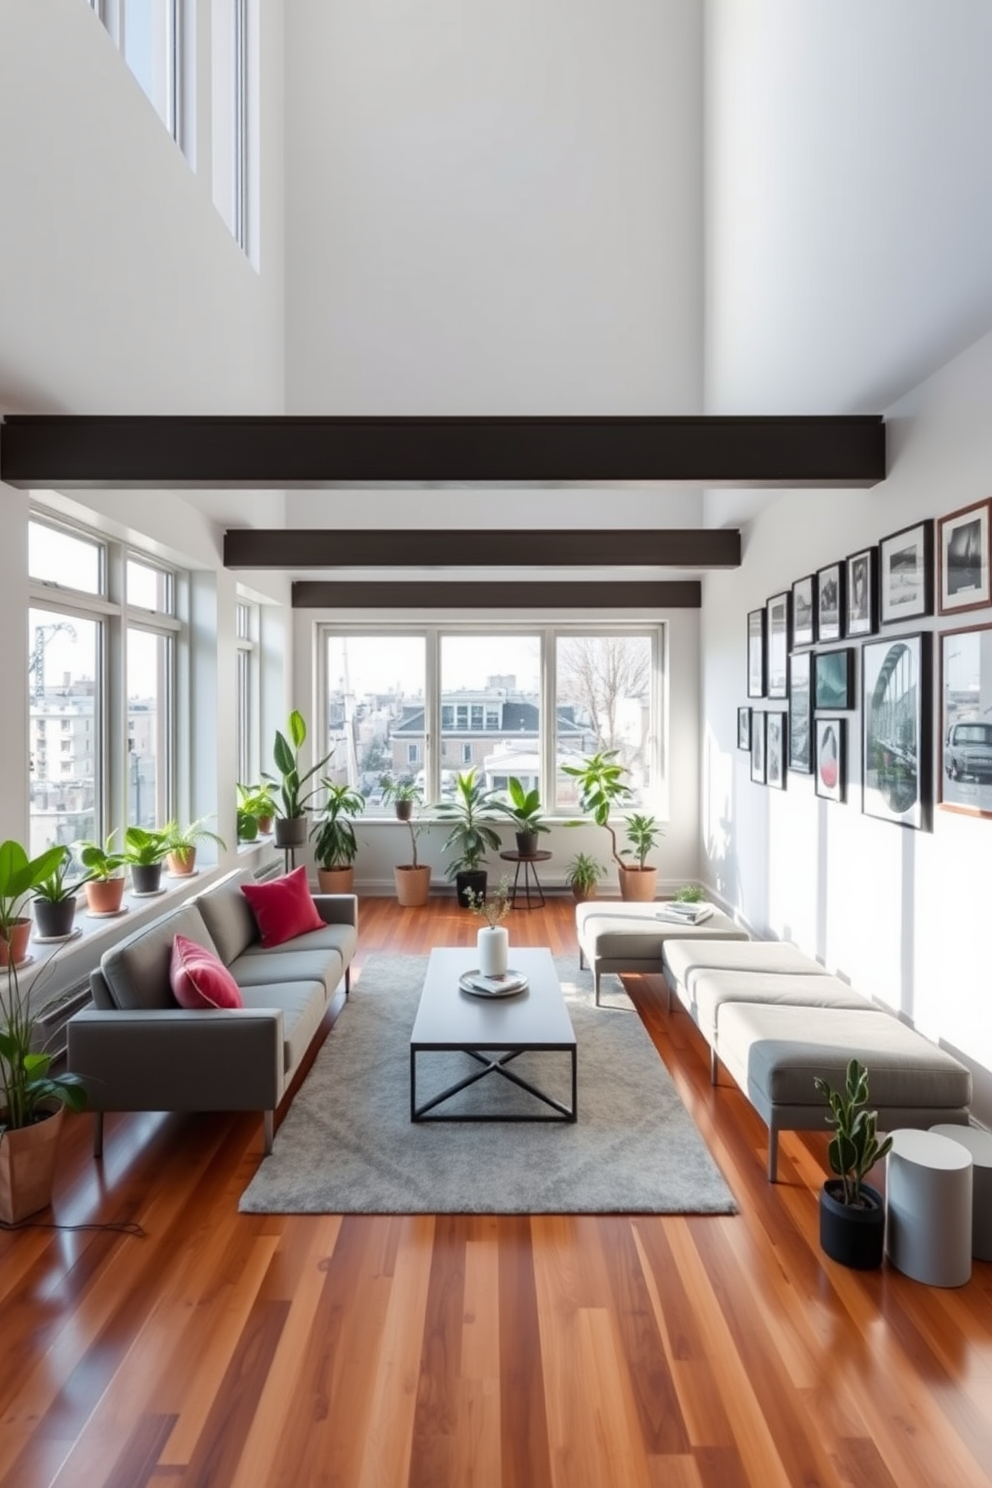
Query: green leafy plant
x: 689, y: 894
x: 27, y: 1088
x: 20, y: 876
x: 854, y: 1148
x: 399, y: 790
x: 583, y: 873
x: 643, y: 833
x: 470, y: 815
x: 335, y: 843
x: 601, y: 790
x: 494, y: 905
x: 255, y: 805
x: 57, y: 887
x: 294, y: 797
x: 523, y: 808
x: 182, y: 839
x: 144, y: 847
x: 101, y: 861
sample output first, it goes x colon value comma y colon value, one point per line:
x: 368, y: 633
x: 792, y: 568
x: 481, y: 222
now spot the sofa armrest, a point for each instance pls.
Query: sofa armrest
x: 337, y: 909
x: 175, y: 1060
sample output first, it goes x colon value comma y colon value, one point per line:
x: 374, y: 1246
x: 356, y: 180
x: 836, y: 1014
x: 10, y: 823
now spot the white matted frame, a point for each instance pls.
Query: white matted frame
x: 964, y: 763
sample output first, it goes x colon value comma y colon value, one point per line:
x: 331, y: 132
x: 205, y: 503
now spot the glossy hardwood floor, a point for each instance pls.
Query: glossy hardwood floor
x: 436, y: 1352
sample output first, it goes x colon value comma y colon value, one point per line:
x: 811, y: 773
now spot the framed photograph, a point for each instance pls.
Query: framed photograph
x: 831, y: 765
x: 895, y: 720
x: 777, y: 632
x: 862, y: 592
x: 775, y: 733
x: 964, y: 559
x: 905, y: 574
x: 830, y: 603
x: 833, y: 679
x: 758, y: 746
x: 965, y: 758
x: 743, y: 728
x: 756, y: 653
x: 804, y: 611
x: 800, y: 713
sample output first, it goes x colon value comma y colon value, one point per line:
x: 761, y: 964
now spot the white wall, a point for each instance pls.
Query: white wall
x: 903, y: 914
x: 494, y: 208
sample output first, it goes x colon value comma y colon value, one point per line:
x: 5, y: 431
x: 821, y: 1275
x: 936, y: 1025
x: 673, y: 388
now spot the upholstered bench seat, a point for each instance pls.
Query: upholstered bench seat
x: 684, y: 960
x: 629, y: 938
x: 713, y: 990
x: 774, y: 1052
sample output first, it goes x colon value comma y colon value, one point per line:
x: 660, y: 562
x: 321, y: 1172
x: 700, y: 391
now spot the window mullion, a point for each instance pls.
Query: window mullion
x: 432, y: 716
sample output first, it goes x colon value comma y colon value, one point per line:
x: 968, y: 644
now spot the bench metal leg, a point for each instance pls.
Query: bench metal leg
x: 97, y: 1133
x: 595, y: 977
x: 582, y: 959
x: 347, y: 981
x: 772, y: 1154
x: 714, y: 1066
x: 268, y: 1128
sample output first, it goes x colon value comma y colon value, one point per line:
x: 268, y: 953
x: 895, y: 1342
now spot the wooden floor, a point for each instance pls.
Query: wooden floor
x: 220, y: 1349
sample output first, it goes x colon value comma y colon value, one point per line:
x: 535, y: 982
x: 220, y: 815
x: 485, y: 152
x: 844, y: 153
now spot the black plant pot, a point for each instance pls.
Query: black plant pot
x: 53, y: 919
x: 526, y: 843
x: 475, y: 880
x: 854, y: 1237
x: 146, y: 878
x: 291, y: 831
x: 404, y: 810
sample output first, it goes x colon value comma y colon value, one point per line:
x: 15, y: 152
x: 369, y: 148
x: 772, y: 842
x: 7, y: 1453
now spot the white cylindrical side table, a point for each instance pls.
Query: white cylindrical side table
x: 979, y: 1144
x: 928, y: 1208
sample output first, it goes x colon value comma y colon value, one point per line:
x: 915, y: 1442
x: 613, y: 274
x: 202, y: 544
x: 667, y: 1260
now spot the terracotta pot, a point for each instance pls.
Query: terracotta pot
x: 53, y: 918
x: 413, y: 885
x: 638, y: 884
x: 582, y: 896
x: 105, y: 895
x: 265, y: 825
x: 182, y: 862
x: 27, y: 1167
x: 336, y: 880
x: 20, y: 933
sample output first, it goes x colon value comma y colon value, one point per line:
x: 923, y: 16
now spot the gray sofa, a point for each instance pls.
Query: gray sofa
x: 775, y: 1019
x: 138, y: 1050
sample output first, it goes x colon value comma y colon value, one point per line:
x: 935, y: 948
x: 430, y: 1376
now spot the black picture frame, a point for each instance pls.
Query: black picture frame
x: 758, y: 746
x: 756, y: 653
x: 830, y: 772
x: 776, y: 740
x: 800, y: 713
x: 861, y: 585
x: 744, y: 728
x: 804, y: 611
x: 965, y: 751
x: 905, y: 574
x: 964, y: 559
x: 777, y: 645
x: 830, y: 602
x: 833, y: 679
x: 896, y: 758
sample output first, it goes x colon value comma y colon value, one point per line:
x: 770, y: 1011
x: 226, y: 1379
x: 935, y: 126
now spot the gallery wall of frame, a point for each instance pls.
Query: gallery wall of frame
x: 795, y: 654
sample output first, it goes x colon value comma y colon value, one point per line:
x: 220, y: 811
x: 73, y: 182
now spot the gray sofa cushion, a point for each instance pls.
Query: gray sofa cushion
x: 302, y: 1006
x: 682, y: 959
x: 227, y: 915
x: 281, y: 964
x: 136, y: 971
x: 774, y: 1053
x: 713, y: 990
x: 340, y: 938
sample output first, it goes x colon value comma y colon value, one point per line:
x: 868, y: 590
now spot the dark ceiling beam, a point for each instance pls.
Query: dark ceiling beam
x: 310, y: 594
x: 306, y: 547
x: 73, y: 452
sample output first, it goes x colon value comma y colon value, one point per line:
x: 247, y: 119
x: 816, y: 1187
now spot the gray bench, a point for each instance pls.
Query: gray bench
x: 629, y: 938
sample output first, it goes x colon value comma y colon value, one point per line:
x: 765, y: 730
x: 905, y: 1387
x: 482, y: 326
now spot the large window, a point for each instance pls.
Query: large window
x: 247, y: 627
x: 148, y: 34
x: 430, y: 702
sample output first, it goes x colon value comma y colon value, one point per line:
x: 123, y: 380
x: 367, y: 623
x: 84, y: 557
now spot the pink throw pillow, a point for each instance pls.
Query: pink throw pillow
x: 200, y: 979
x: 283, y: 908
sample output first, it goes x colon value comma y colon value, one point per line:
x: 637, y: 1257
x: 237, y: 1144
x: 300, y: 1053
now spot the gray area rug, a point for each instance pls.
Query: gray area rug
x: 347, y: 1145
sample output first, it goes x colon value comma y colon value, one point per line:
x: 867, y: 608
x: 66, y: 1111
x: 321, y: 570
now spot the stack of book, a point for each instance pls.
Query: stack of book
x: 681, y: 912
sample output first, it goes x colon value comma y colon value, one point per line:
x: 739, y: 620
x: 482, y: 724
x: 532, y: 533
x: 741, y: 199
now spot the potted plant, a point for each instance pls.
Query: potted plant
x: 471, y: 835
x: 105, y: 884
x: 144, y: 853
x: 181, y: 845
x: 852, y: 1214
x: 335, y: 844
x: 582, y: 875
x: 689, y: 894
x: 601, y: 790
x: 524, y: 810
x: 32, y: 1099
x: 256, y: 810
x: 638, y: 881
x: 19, y: 877
x: 55, y: 900
x: 413, y: 879
x: 293, y: 798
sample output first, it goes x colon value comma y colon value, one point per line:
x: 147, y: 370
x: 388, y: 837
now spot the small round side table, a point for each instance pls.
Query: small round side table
x: 979, y: 1144
x: 527, y: 863
x: 928, y: 1208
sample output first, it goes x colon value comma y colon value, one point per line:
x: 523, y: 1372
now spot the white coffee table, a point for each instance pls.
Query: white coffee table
x: 492, y: 1031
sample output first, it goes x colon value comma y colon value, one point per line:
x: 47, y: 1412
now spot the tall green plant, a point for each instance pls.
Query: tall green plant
x: 27, y: 1087
x: 601, y: 790
x: 643, y: 833
x: 523, y: 807
x: 334, y: 840
x: 854, y: 1148
x: 294, y: 798
x: 470, y: 815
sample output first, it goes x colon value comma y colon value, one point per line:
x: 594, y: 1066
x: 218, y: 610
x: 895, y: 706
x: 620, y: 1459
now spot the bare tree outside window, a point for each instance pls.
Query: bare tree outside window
x: 604, y: 685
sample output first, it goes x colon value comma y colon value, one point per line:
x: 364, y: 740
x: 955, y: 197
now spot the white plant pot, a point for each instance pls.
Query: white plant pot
x: 494, y: 943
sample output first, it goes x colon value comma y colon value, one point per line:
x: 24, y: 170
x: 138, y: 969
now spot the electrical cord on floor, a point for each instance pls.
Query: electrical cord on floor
x: 125, y: 1227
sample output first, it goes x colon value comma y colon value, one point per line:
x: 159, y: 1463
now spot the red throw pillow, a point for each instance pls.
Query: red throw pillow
x: 200, y: 979
x: 283, y: 908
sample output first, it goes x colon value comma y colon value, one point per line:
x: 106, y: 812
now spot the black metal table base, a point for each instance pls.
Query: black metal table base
x: 491, y: 1066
